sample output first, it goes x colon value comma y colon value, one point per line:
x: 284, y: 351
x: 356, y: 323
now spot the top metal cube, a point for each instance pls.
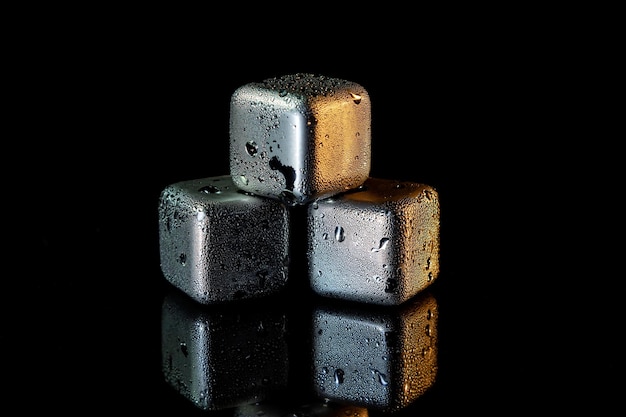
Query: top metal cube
x: 300, y: 137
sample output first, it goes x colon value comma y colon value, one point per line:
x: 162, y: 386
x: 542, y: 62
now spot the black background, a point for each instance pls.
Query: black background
x: 110, y: 110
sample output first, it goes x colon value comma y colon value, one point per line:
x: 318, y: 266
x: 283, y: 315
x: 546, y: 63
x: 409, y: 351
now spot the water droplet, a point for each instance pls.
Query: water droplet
x: 182, y: 258
x: 262, y: 275
x: 382, y: 378
x: 392, y: 285
x: 339, y: 234
x: 210, y: 189
x: 251, y: 148
x: 183, y: 348
x: 382, y: 245
x: 356, y: 98
x: 282, y: 93
x: 243, y: 179
x: 339, y: 374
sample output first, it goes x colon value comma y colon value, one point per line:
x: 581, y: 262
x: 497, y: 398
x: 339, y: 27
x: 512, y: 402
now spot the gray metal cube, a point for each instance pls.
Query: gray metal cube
x: 382, y: 358
x: 376, y: 244
x: 300, y: 137
x: 219, y: 244
x: 221, y: 357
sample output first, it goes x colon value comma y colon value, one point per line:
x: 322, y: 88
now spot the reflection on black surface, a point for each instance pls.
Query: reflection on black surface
x: 315, y: 409
x: 327, y: 358
x: 378, y: 358
x: 222, y: 357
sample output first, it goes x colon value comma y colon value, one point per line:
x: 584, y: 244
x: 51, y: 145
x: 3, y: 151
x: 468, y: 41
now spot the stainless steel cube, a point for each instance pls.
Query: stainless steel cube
x: 221, y: 357
x: 218, y: 244
x: 300, y: 137
x: 382, y: 358
x: 376, y: 244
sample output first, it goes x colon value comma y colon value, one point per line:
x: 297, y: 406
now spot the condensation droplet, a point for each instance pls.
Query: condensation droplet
x: 339, y: 234
x: 243, y: 179
x: 392, y: 285
x: 251, y: 148
x: 382, y: 378
x: 210, y: 189
x: 382, y: 245
x: 356, y: 98
x: 182, y: 258
x: 339, y: 374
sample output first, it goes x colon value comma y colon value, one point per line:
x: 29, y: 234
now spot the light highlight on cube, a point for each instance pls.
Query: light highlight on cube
x: 376, y: 244
x: 300, y: 137
x: 219, y: 244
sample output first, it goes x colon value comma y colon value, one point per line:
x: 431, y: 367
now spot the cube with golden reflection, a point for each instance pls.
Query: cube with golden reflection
x: 300, y: 137
x: 378, y: 243
x: 382, y: 358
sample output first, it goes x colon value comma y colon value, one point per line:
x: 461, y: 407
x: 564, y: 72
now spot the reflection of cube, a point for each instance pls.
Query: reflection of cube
x: 379, y: 357
x: 300, y: 137
x: 377, y: 244
x: 218, y: 244
x: 320, y: 408
x: 220, y: 357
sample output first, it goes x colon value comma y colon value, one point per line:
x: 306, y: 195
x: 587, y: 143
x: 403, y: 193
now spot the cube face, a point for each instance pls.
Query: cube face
x: 300, y: 137
x: 218, y: 244
x: 378, y: 358
x: 376, y: 244
x: 220, y: 358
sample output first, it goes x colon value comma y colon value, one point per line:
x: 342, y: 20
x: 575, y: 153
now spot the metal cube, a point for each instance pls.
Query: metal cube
x: 220, y: 357
x: 376, y: 244
x: 219, y: 244
x: 381, y: 358
x: 300, y: 137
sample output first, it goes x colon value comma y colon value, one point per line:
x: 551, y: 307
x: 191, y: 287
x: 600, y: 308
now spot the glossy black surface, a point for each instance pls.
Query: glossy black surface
x: 108, y: 118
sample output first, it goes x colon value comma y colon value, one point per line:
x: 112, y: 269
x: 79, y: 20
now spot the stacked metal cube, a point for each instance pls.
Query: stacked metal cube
x: 301, y: 140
